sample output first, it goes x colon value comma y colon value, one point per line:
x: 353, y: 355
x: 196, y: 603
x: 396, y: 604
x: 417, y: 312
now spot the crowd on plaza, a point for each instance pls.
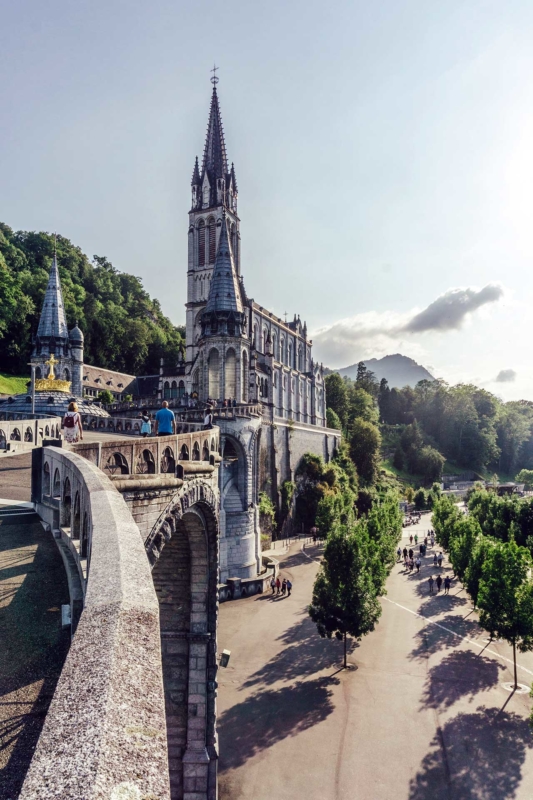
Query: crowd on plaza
x: 280, y: 587
x: 413, y: 561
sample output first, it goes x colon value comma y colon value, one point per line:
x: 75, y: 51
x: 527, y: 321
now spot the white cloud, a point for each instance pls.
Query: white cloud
x: 506, y: 376
x: 374, y: 334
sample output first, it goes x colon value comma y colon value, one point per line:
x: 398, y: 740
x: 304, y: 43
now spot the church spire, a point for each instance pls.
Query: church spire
x: 52, y: 322
x: 224, y: 292
x: 215, y: 162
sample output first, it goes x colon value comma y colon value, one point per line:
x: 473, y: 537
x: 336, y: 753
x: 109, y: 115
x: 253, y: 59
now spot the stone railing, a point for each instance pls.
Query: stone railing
x: 131, y: 425
x: 235, y: 588
x: 104, y: 735
x: 154, y: 455
x: 21, y: 431
x: 181, y: 408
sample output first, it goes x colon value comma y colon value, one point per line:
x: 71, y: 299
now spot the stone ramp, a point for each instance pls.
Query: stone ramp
x: 33, y: 586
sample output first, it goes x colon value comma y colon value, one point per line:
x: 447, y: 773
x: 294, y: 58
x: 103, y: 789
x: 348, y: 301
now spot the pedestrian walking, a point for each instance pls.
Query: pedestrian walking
x: 399, y: 553
x: 416, y: 538
x: 431, y: 582
x: 447, y: 583
x: 273, y: 585
x: 418, y: 563
x: 410, y: 553
x: 289, y: 587
x: 404, y: 553
x: 146, y: 425
x: 439, y: 559
x: 284, y: 586
x: 434, y: 559
x: 72, y: 425
x: 432, y: 539
x: 439, y: 583
x: 411, y: 539
x: 278, y: 585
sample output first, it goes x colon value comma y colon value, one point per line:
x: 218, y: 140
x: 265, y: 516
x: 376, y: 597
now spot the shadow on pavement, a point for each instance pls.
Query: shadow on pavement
x: 445, y: 634
x: 481, y: 759
x: 460, y: 674
x: 271, y: 716
x: 305, y: 653
x: 437, y: 603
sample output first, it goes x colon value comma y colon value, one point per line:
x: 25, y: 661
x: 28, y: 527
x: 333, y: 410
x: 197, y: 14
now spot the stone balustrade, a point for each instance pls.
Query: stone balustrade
x: 104, y: 734
x: 28, y: 430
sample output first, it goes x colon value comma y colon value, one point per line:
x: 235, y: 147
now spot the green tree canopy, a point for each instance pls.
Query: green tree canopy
x: 365, y: 449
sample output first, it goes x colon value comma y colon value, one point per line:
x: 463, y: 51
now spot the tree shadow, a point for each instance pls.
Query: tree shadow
x: 460, y: 674
x: 269, y: 716
x: 442, y: 634
x: 435, y: 604
x: 475, y: 756
x: 305, y: 653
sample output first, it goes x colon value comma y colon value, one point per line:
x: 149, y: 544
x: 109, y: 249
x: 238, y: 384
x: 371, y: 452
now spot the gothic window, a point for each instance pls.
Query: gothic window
x: 230, y: 375
x: 117, y: 464
x: 195, y: 378
x: 282, y: 350
x: 205, y: 451
x: 255, y: 337
x: 275, y: 379
x: 46, y: 478
x: 168, y: 463
x: 212, y: 240
x: 66, y: 374
x: 166, y: 390
x: 28, y: 435
x: 201, y: 243
x: 184, y: 453
x: 181, y: 389
x: 57, y: 484
x: 196, y: 452
x: 300, y: 359
x: 290, y: 355
x: 15, y: 435
x: 174, y: 389
x: 145, y: 463
x: 244, y: 377
x: 213, y: 368
x: 274, y: 352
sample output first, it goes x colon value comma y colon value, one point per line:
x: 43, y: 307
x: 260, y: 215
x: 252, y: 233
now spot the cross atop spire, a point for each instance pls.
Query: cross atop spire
x: 214, y: 80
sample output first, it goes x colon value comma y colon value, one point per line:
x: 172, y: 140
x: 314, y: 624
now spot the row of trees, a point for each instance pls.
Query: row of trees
x: 358, y: 557
x: 487, y: 551
x: 124, y: 328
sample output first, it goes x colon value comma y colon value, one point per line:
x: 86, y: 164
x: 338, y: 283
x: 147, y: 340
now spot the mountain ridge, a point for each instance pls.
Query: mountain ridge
x: 399, y: 370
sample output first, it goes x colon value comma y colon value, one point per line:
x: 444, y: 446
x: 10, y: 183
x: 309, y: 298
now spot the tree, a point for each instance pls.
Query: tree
x: 337, y: 396
x: 345, y: 601
x: 365, y: 443
x: 525, y: 476
x: 462, y: 544
x: 398, y: 458
x: 409, y: 494
x: 429, y: 464
x: 445, y: 517
x: 505, y: 597
x: 105, y: 397
x: 420, y: 499
x: 332, y: 419
x: 474, y: 569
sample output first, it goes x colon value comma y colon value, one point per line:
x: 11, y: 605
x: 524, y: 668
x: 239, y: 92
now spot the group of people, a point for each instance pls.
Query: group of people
x: 411, y: 562
x: 280, y: 587
x: 163, y: 424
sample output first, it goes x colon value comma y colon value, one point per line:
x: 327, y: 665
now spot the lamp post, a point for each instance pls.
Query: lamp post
x: 32, y: 389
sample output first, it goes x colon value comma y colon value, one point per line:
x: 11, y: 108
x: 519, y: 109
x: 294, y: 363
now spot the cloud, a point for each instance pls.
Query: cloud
x: 448, y: 311
x: 374, y: 334
x: 506, y: 376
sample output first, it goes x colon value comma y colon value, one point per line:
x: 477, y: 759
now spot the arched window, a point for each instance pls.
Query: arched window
x: 3, y: 442
x: 15, y: 435
x: 57, y: 484
x: 289, y: 360
x: 76, y: 518
x: 282, y: 350
x: 66, y: 506
x: 201, y: 243
x: 184, y: 453
x: 166, y: 390
x: 66, y: 374
x: 300, y: 359
x: 46, y: 479
x: 244, y: 377
x: 168, y: 464
x: 212, y: 239
x: 174, y: 389
x: 84, y: 542
x: 255, y: 336
x: 28, y: 435
x: 274, y: 351
x: 195, y: 379
x: 145, y: 463
x: 213, y: 370
x: 196, y: 452
x: 181, y: 389
x: 205, y: 451
x: 230, y: 375
x: 117, y: 464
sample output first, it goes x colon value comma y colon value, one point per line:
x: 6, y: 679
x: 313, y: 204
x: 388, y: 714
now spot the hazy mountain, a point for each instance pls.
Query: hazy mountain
x: 397, y: 369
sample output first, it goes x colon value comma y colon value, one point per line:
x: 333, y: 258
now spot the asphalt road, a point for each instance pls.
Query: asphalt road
x: 421, y: 715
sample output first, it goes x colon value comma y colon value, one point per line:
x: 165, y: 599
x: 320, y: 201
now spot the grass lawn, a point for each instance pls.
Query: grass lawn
x: 12, y: 384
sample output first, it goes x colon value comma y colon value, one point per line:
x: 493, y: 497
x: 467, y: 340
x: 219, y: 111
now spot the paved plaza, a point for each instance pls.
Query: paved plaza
x: 422, y: 713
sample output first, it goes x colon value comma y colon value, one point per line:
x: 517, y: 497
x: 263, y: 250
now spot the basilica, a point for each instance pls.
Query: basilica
x: 236, y: 349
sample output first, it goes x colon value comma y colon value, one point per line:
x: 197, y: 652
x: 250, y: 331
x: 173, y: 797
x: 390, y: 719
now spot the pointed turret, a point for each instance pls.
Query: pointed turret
x: 52, y: 322
x: 215, y: 161
x: 196, y: 173
x: 224, y: 292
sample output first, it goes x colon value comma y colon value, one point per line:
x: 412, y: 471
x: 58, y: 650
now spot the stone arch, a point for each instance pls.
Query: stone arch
x: 66, y: 505
x: 84, y: 539
x: 205, y: 451
x: 117, y: 464
x: 168, y: 462
x: 76, y: 528
x: 46, y: 479
x: 3, y: 440
x: 230, y: 374
x: 213, y: 373
x: 184, y: 453
x: 47, y: 431
x: 28, y: 434
x: 174, y: 389
x: 15, y: 435
x: 181, y: 389
x: 166, y: 390
x: 145, y: 463
x: 57, y: 484
x: 196, y: 452
x: 234, y: 471
x: 66, y: 374
x: 201, y: 243
x: 183, y: 549
x: 38, y: 373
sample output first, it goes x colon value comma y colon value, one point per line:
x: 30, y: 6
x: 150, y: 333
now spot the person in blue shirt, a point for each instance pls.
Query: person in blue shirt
x: 165, y: 421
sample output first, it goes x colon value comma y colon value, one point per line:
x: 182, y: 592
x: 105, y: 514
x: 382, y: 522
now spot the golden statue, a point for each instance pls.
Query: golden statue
x: 51, y: 383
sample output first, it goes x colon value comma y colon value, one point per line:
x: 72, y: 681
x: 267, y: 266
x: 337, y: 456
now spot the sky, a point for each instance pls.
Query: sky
x: 383, y: 154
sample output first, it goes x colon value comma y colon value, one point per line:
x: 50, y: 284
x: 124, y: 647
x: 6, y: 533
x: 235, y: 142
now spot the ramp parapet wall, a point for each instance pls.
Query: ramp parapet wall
x: 104, y: 734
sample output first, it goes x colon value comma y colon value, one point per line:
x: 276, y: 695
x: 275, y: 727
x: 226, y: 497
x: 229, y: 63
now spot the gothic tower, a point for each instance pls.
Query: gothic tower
x: 214, y: 192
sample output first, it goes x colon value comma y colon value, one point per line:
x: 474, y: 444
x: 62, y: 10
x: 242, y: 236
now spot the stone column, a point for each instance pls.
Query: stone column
x: 196, y: 758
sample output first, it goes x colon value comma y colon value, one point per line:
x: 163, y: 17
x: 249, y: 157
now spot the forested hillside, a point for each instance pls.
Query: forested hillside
x: 124, y: 328
x: 421, y: 428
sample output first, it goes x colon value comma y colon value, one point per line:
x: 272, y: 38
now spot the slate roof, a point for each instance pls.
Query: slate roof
x: 53, y: 321
x: 99, y: 378
x: 215, y: 160
x: 224, y: 292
